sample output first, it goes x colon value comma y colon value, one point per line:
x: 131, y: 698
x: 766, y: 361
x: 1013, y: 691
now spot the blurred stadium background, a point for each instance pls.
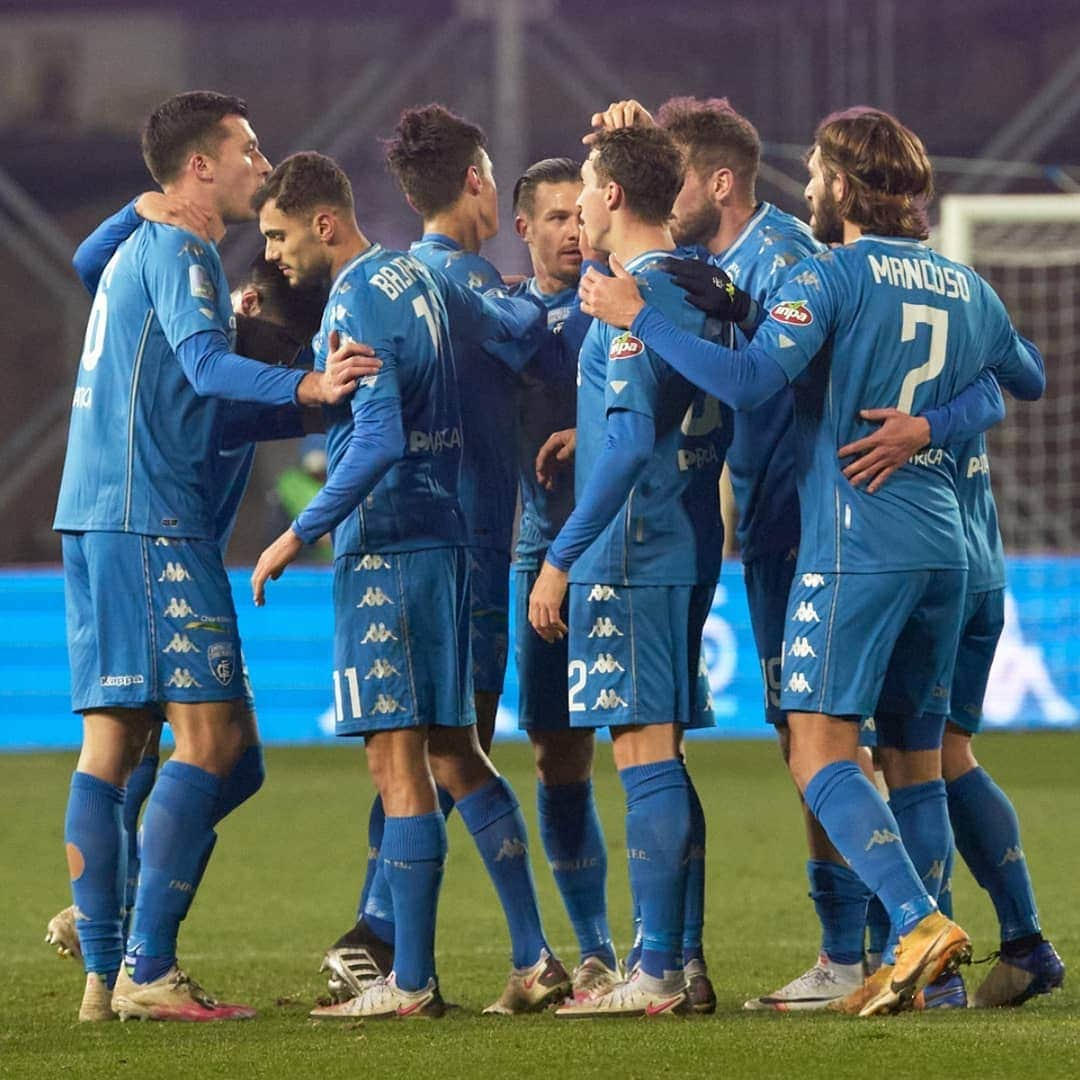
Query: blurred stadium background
x: 993, y: 88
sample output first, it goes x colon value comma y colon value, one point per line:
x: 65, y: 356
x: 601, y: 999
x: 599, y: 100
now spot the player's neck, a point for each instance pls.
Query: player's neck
x: 634, y: 238
x: 732, y: 222
x: 547, y: 284
x: 355, y: 243
x: 852, y: 232
x: 199, y: 197
x: 459, y: 225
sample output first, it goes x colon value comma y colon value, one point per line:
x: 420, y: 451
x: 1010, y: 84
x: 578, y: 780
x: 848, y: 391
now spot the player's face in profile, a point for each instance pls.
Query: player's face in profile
x: 595, y: 216
x: 695, y: 217
x: 825, y: 220
x: 239, y: 168
x: 489, y: 199
x: 292, y: 245
x: 552, y: 231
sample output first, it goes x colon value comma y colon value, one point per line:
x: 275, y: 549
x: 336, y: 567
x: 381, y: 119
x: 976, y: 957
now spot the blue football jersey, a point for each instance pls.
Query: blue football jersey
x: 669, y: 531
x: 546, y: 405
x: 986, y: 557
x: 141, y: 441
x: 392, y: 302
x: 880, y: 323
x: 761, y: 458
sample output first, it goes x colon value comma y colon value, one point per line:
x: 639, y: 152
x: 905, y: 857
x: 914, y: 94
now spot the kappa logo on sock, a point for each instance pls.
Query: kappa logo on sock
x: 881, y: 836
x: 1013, y: 854
x: 512, y: 848
x: 372, y: 562
x: 936, y: 871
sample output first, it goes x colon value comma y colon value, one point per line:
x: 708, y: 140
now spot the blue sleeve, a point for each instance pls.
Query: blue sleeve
x: 742, y: 379
x: 1021, y: 370
x: 247, y: 423
x: 977, y: 408
x: 93, y: 254
x: 214, y: 371
x: 629, y: 445
x: 376, y: 443
x: 556, y: 359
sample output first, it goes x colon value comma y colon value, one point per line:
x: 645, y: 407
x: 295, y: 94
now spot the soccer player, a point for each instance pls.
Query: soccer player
x: 880, y: 320
x: 643, y: 549
x: 142, y: 563
x: 444, y: 170
x: 402, y: 670
x: 546, y: 219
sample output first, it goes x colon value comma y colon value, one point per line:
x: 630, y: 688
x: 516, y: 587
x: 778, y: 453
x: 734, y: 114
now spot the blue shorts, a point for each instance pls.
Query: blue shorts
x: 489, y: 620
x: 635, y: 655
x: 768, y: 583
x: 149, y: 620
x: 541, y: 666
x: 857, y: 643
x: 984, y: 618
x: 401, y: 641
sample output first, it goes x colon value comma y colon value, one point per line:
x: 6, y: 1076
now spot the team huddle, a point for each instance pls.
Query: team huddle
x: 846, y: 374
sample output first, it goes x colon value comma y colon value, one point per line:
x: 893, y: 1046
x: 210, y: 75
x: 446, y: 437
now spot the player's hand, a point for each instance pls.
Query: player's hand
x: 272, y: 563
x: 174, y: 210
x: 880, y: 454
x: 555, y: 456
x: 619, y: 114
x: 545, y: 603
x: 709, y: 288
x: 345, y: 366
x: 614, y: 300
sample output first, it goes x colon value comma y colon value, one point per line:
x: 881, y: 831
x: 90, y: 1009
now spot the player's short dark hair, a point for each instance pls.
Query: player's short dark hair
x: 714, y: 136
x: 303, y: 182
x: 646, y: 164
x: 890, y: 181
x: 298, y: 308
x: 552, y: 170
x: 429, y: 154
x: 182, y: 125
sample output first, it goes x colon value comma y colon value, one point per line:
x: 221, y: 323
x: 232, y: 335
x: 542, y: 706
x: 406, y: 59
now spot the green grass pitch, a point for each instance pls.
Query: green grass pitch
x: 283, y: 884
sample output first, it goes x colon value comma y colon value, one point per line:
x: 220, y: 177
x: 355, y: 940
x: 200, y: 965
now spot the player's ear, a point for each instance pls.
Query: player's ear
x: 202, y: 166
x: 721, y: 184
x: 613, y: 195
x: 474, y: 182
x: 250, y: 301
x: 521, y: 227
x: 324, y: 226
x: 839, y: 186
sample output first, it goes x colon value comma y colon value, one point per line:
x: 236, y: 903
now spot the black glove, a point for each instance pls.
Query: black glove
x: 709, y: 288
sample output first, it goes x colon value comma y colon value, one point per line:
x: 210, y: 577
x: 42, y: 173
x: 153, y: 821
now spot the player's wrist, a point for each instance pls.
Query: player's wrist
x: 310, y: 389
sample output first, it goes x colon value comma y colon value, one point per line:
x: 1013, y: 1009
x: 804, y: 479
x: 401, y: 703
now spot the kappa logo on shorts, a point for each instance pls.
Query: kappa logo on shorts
x: 813, y: 581
x: 221, y: 656
x: 798, y: 684
x: 802, y: 648
x: 372, y: 562
x: 374, y: 597
x: 174, y: 572
x: 381, y: 669
x: 183, y: 679
x: 378, y: 632
x: 602, y: 592
x: 605, y: 664
x: 608, y: 699
x: 177, y: 608
x: 181, y: 643
x: 605, y: 628
x: 386, y: 704
x: 121, y: 680
x: 805, y: 613
x: 881, y: 836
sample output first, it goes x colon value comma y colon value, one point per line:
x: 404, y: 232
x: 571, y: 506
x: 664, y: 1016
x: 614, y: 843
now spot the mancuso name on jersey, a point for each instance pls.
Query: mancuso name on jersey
x: 879, y: 323
x: 669, y: 531
x: 392, y: 302
x: 142, y: 442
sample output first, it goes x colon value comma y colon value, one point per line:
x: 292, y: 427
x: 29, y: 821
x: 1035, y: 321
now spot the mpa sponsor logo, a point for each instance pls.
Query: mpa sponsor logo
x: 512, y: 848
x: 174, y: 572
x: 881, y: 836
x: 793, y: 313
x: 605, y: 628
x: 798, y: 684
x: 122, y: 680
x: 813, y: 581
x: 386, y: 704
x: 697, y: 459
x: 374, y: 597
x: 381, y: 669
x: 182, y: 679
x: 801, y: 648
x: 378, y: 632
x: 1013, y: 854
x: 181, y: 643
x: 980, y: 463
x: 805, y: 613
x: 605, y: 664
x: 608, y: 699
x: 434, y: 442
x: 177, y: 608
x: 602, y: 592
x: 625, y: 346
x: 84, y: 397
x: 221, y: 656
x: 373, y: 562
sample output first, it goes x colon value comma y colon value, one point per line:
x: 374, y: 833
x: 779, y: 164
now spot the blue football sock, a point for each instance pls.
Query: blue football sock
x: 574, y: 844
x: 945, y: 897
x: 922, y: 814
x: 840, y: 900
x: 246, y: 778
x: 376, y: 824
x: 138, y: 788
x: 493, y: 817
x: 862, y: 828
x: 633, y: 957
x: 413, y: 855
x: 694, y: 907
x: 657, y: 840
x: 988, y: 839
x: 878, y: 928
x: 177, y: 833
x: 96, y: 852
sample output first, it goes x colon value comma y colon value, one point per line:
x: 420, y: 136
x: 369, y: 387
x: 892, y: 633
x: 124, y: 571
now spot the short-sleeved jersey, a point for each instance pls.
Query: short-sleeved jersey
x: 669, y: 531
x: 141, y: 440
x: 546, y: 406
x: 391, y: 301
x: 879, y: 323
x: 761, y: 458
x: 488, y: 394
x: 986, y: 557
